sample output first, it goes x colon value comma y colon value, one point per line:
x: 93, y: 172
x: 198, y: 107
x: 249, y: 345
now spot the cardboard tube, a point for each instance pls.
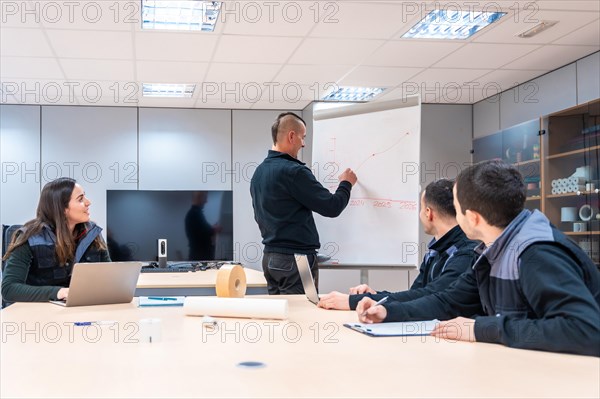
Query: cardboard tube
x: 236, y: 307
x: 231, y: 281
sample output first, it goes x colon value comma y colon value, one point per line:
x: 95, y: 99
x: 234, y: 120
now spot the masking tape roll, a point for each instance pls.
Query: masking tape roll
x: 236, y: 307
x: 587, y: 212
x: 231, y: 282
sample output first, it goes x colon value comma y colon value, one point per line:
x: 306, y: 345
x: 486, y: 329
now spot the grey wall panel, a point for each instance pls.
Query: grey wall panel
x: 184, y: 149
x: 546, y: 94
x: 446, y: 140
x: 251, y: 141
x: 20, y: 160
x: 486, y: 117
x: 95, y: 145
x: 588, y: 78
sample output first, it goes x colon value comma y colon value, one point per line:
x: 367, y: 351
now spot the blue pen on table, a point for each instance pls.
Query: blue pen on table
x: 89, y: 323
x: 379, y: 302
x: 162, y: 298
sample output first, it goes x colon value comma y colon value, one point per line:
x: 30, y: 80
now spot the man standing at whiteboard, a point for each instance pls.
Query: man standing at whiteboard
x: 285, y: 193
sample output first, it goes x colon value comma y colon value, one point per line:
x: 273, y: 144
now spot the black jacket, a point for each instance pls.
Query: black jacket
x: 446, y: 260
x: 285, y: 193
x: 537, y: 288
x: 32, y: 272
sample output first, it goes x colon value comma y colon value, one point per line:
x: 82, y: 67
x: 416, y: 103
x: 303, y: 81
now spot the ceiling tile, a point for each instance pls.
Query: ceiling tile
x: 368, y: 20
x: 91, y: 44
x: 228, y: 72
x: 24, y: 42
x: 412, y: 53
x: 502, y: 80
x: 334, y: 51
x: 588, y: 35
x: 41, y: 91
x: 571, y: 5
x: 98, y: 69
x: 485, y: 56
x: 174, y: 46
x: 511, y: 25
x: 255, y: 49
x: 433, y: 77
x: 551, y: 57
x: 311, y: 74
x: 89, y: 14
x: 170, y: 72
x: 28, y: 67
x: 369, y: 76
x: 289, y: 18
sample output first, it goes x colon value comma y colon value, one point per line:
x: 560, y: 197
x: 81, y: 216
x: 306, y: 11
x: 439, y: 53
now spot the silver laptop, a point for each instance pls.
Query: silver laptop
x: 307, y: 279
x: 102, y: 283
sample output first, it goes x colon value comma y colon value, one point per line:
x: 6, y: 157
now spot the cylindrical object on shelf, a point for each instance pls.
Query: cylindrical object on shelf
x: 579, y: 227
x: 587, y: 212
x: 568, y: 214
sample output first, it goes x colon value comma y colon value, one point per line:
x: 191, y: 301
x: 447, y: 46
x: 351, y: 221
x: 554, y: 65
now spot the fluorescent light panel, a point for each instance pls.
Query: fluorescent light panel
x: 180, y: 15
x: 452, y: 24
x: 353, y: 94
x: 168, y: 90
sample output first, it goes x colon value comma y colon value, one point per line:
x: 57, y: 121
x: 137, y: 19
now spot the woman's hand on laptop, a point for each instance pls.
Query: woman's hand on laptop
x: 334, y: 300
x: 362, y: 289
x: 63, y: 293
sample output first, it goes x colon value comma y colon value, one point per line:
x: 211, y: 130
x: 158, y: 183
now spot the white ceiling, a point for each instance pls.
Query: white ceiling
x: 278, y: 55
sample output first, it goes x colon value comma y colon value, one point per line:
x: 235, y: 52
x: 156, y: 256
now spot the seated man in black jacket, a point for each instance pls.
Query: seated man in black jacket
x: 537, y: 288
x: 450, y: 253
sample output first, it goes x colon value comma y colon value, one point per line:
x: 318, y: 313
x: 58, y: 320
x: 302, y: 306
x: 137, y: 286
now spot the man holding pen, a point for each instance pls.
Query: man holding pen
x: 538, y: 289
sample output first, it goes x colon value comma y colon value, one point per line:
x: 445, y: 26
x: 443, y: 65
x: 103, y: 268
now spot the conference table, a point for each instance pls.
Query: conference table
x: 193, y: 283
x: 310, y: 354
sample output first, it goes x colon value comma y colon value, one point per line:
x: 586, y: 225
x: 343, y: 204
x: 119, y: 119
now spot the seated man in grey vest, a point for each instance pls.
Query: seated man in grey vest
x: 537, y: 288
x: 450, y: 253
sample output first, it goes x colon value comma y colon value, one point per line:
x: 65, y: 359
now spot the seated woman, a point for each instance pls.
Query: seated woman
x: 40, y: 258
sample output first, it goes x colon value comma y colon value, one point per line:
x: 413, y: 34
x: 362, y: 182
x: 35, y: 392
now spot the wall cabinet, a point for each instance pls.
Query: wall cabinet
x: 559, y: 157
x: 572, y: 172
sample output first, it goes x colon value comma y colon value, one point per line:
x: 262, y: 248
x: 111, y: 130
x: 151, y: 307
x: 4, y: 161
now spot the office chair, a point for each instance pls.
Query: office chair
x: 7, y: 235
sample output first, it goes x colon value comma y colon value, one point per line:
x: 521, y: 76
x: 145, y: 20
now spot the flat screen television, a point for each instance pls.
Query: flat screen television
x: 198, y: 225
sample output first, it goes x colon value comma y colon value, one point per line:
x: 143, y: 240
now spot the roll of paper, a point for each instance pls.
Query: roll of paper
x: 587, y: 212
x: 568, y: 214
x: 231, y: 282
x: 236, y: 307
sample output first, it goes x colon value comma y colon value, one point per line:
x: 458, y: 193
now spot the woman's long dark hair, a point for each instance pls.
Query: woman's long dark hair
x: 54, y: 200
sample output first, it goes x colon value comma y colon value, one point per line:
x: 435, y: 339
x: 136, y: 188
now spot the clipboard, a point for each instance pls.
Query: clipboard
x: 400, y: 329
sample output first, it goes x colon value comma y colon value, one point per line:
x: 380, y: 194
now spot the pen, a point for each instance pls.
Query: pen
x: 379, y: 302
x: 162, y: 298
x: 89, y: 323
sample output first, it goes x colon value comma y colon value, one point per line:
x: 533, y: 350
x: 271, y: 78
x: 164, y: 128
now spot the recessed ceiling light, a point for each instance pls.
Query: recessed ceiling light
x: 180, y: 15
x: 168, y: 90
x: 353, y: 94
x: 452, y: 24
x: 542, y: 26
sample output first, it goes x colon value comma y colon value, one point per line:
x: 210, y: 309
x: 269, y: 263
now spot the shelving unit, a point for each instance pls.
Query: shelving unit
x: 572, y: 146
x: 550, y: 148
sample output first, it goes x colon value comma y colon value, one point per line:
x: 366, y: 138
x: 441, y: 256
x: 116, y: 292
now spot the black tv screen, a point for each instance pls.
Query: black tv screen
x: 198, y: 225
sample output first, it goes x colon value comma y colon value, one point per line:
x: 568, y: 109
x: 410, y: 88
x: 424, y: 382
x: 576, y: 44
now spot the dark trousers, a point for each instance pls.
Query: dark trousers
x: 281, y: 273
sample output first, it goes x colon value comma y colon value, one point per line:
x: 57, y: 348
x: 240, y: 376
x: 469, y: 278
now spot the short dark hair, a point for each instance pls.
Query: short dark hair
x: 494, y: 189
x: 275, y: 126
x: 438, y: 195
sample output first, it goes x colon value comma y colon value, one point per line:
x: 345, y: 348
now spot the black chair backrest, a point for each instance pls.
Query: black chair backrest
x: 7, y: 235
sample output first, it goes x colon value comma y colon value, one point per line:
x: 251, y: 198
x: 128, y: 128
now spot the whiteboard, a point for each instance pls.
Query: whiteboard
x: 381, y: 143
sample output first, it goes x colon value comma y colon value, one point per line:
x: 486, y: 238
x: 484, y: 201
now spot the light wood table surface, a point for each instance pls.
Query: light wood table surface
x: 193, y: 283
x: 309, y: 355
